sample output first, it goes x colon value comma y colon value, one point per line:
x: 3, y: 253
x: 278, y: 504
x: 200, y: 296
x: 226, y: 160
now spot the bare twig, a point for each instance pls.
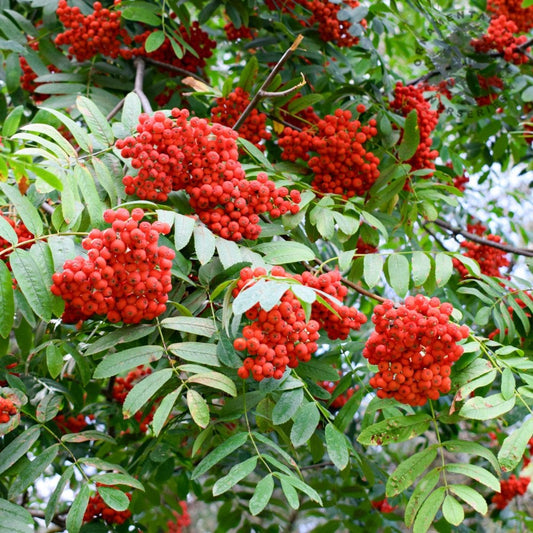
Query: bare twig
x: 259, y: 94
x: 138, y: 87
x: 480, y: 240
x: 434, y: 235
x: 115, y: 110
x: 56, y: 519
x: 173, y: 68
x: 48, y: 208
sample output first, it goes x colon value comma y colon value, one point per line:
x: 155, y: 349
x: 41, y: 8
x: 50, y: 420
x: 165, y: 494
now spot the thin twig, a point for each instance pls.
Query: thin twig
x: 138, y: 87
x: 56, y: 519
x: 434, y: 235
x: 258, y: 95
x: 286, y: 92
x: 48, y: 208
x: 173, y: 68
x: 115, y: 110
x: 480, y: 240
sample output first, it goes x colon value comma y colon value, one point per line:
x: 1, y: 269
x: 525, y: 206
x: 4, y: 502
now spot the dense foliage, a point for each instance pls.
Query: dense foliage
x: 253, y: 275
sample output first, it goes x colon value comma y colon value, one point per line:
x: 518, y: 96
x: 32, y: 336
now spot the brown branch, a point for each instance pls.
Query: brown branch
x: 56, y: 519
x: 259, y: 94
x: 138, y: 86
x: 480, y: 240
x: 48, y: 208
x: 434, y: 235
x: 115, y: 110
x: 173, y: 68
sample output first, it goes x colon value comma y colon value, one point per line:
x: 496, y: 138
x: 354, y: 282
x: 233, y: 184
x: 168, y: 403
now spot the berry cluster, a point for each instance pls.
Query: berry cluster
x: 194, y: 36
x: 23, y: 235
x: 71, y: 424
x: 121, y: 388
x: 126, y: 275
x: 284, y: 6
x: 341, y: 399
x: 202, y: 159
x: 182, y: 519
x: 97, y: 509
x: 281, y: 337
x: 487, y: 86
x: 7, y: 410
x: 234, y: 34
x: 341, y: 165
x: 509, y: 488
x: 407, y: 98
x: 490, y: 259
x: 363, y: 247
x: 28, y: 76
x: 414, y: 346
x: 301, y: 119
x: 500, y: 37
x: 97, y: 33
x: 513, y: 10
x: 230, y: 108
x: 330, y: 28
x: 383, y: 506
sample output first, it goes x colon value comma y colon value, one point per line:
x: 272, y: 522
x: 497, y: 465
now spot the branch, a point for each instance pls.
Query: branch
x: 56, y: 519
x: 480, y: 240
x: 173, y: 68
x: 259, y: 94
x: 138, y: 87
x: 115, y: 110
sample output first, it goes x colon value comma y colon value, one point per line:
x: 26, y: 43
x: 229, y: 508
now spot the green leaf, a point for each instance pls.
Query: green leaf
x: 420, y: 268
x: 215, y: 380
x: 421, y: 492
x: 527, y: 3
x: 80, y: 135
x: 88, y: 435
x: 236, y: 474
x: 475, y: 472
x: 164, y: 409
x: 32, y: 470
x: 86, y: 184
x: 288, y: 403
x: 132, y: 104
x: 248, y: 74
x: 183, y: 228
x: 398, y: 273
x: 48, y: 407
x: 337, y: 447
x: 471, y: 497
x: 508, y: 384
x: 301, y: 486
x: 443, y: 269
x: 196, y: 352
x: 25, y: 210
x: 115, y: 363
x: 114, y: 498
x: 411, y: 137
x: 141, y: 393
x: 225, y: 449
x: 290, y: 494
x: 262, y: 494
x: 271, y: 297
x: 480, y: 408
x: 280, y: 253
x: 154, y: 41
x: 228, y: 252
x: 465, y: 390
x: 12, y: 121
x: 409, y: 469
x: 53, y: 501
x: 514, y: 445
x: 7, y: 301
x: 119, y: 336
x: 77, y: 509
x: 18, y: 447
x: 195, y: 325
x: 395, y: 429
x: 482, y: 316
x: 46, y: 129
x: 15, y: 519
x: 142, y: 12
x: 198, y: 408
x: 474, y: 448
x: 452, y: 510
x: 306, y: 420
x: 372, y: 268
x: 204, y: 244
x: 7, y: 232
x: 97, y: 122
x: 254, y: 152
x: 428, y: 510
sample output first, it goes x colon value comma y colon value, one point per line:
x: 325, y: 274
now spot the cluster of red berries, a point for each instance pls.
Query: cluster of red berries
x: 97, y: 33
x: 509, y: 488
x: 513, y: 10
x: 121, y: 388
x: 342, y: 165
x: 71, y: 424
x: 7, y: 410
x: 383, y: 506
x: 341, y: 399
x: 28, y: 76
x: 97, y: 509
x: 126, y: 275
x: 230, y: 108
x: 407, y: 98
x: 414, y: 346
x: 363, y: 247
x: 281, y: 337
x: 490, y: 259
x: 23, y: 235
x: 487, y: 86
x: 182, y: 519
x: 500, y: 37
x: 234, y: 34
x: 202, y: 159
x: 194, y: 36
x: 284, y: 6
x: 330, y: 28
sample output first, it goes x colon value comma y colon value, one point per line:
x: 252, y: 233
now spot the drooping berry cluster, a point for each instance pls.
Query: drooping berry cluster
x: 97, y: 33
x: 414, y: 346
x: 182, y: 519
x: 500, y: 38
x: 407, y: 98
x: 341, y: 399
x: 126, y: 275
x: 7, y: 410
x: 25, y: 239
x: 234, y: 34
x: 509, y: 489
x: 230, y: 108
x: 71, y: 424
x: 97, y: 509
x: 330, y: 28
x: 513, y: 10
x: 202, y: 159
x: 341, y: 165
x: 281, y: 337
x: 490, y: 259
